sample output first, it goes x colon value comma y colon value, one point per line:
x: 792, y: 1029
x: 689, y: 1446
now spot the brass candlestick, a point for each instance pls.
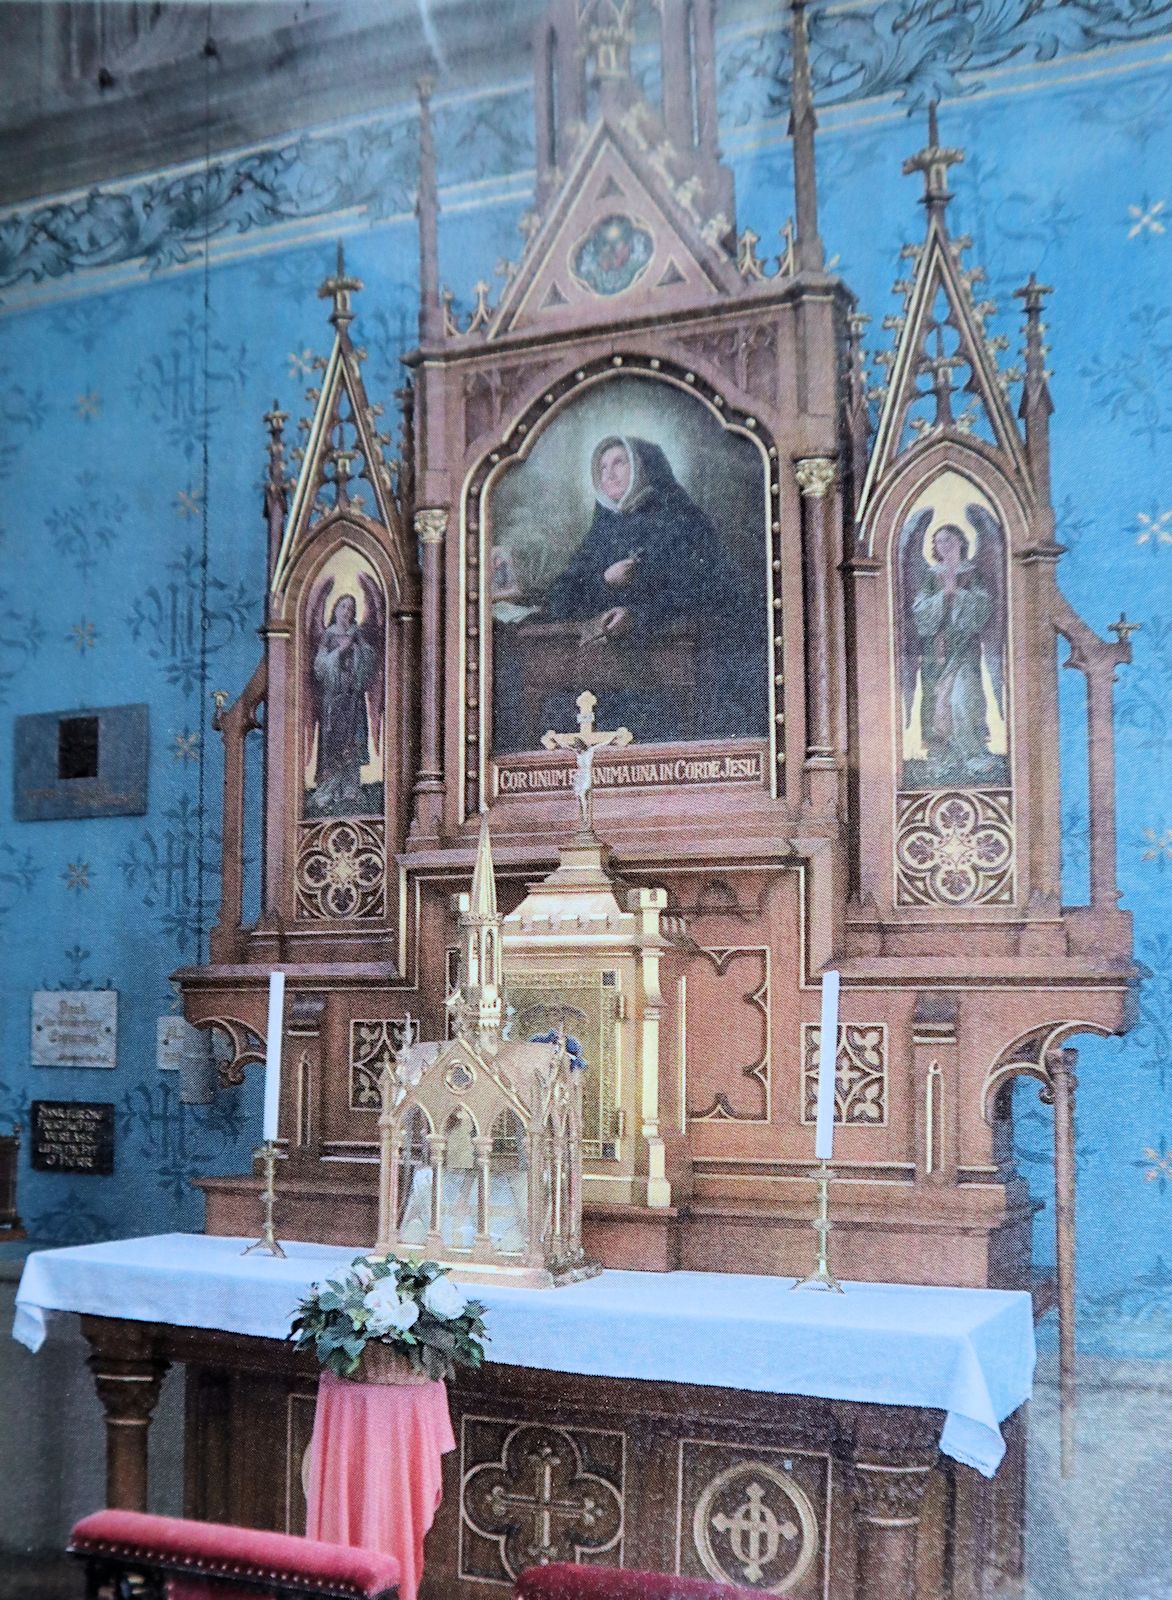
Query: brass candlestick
x: 268, y: 1240
x: 822, y: 1277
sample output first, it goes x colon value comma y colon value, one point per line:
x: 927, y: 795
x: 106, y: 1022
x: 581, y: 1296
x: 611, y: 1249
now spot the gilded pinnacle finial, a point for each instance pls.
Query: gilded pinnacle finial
x: 1123, y: 629
x: 339, y: 288
x: 934, y: 161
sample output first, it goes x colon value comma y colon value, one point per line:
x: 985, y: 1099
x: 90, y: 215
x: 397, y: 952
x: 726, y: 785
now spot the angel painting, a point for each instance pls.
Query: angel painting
x: 952, y: 626
x: 343, y: 682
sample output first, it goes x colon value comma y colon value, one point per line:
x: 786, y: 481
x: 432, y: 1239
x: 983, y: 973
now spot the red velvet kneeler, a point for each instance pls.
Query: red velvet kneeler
x: 214, y: 1561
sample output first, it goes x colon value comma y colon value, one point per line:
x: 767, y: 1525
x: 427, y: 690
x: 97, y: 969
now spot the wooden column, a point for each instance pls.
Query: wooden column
x: 1101, y: 783
x: 127, y: 1375
x: 1062, y: 1084
x: 280, y: 738
x: 431, y: 524
x: 301, y: 1087
x: 816, y: 477
x: 1097, y: 660
x: 234, y: 725
x: 935, y: 1077
x: 887, y: 1498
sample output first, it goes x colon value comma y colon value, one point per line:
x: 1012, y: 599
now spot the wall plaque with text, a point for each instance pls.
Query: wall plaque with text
x: 75, y: 1028
x: 85, y: 763
x: 73, y: 1136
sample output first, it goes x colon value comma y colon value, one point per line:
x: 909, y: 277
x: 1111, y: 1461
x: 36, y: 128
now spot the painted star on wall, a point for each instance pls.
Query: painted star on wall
x: 77, y: 876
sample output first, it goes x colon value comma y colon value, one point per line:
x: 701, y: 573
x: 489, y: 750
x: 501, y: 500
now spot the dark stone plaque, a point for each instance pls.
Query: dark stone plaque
x: 87, y: 763
x: 73, y: 1136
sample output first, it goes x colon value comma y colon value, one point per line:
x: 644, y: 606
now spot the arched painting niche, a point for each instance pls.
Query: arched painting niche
x: 952, y: 624
x: 627, y: 556
x: 343, y: 700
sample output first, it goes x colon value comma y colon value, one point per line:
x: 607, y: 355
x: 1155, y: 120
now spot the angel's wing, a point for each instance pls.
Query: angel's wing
x: 989, y: 561
x: 315, y: 626
x: 913, y: 569
x: 374, y: 632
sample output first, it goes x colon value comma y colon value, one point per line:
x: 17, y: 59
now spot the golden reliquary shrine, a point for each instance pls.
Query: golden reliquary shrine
x: 750, y: 674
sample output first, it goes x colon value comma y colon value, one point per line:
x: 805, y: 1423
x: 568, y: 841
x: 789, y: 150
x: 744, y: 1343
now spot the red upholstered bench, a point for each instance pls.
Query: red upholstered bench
x: 128, y: 1553
x: 562, y: 1581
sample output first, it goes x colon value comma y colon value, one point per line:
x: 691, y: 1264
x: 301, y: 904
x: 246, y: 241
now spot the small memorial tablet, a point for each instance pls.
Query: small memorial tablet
x: 175, y: 1039
x: 73, y: 1136
x: 75, y: 1028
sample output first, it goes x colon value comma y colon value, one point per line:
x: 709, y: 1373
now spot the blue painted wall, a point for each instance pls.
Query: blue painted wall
x: 145, y: 329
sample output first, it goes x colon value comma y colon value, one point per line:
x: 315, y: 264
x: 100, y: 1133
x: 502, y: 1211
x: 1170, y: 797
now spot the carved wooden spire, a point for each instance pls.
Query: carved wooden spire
x: 1036, y: 405
x: 276, y: 482
x: 802, y: 124
x: 343, y: 443
x: 339, y: 288
x: 856, y: 413
x: 431, y: 322
x: 945, y: 375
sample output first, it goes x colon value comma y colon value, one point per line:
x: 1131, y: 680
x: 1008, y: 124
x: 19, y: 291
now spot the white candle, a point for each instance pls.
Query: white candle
x: 273, y: 1056
x: 827, y: 1066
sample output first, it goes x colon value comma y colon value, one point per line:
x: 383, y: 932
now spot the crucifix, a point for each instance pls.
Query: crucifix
x: 585, y: 743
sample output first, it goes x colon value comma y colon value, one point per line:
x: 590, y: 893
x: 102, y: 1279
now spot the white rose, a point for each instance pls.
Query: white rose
x: 364, y: 1277
x: 443, y: 1299
x: 387, y: 1311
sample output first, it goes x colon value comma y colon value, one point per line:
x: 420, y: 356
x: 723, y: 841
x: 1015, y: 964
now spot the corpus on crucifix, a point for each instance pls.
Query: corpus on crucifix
x: 585, y: 742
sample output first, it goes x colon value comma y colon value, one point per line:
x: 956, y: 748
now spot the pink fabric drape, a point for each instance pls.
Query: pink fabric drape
x: 375, y: 1475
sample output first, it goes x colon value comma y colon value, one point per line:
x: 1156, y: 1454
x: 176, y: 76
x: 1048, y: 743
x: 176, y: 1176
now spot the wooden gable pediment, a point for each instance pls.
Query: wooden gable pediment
x: 622, y: 237
x: 344, y: 474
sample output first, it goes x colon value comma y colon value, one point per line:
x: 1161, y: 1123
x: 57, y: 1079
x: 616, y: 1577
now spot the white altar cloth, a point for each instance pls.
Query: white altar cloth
x: 966, y: 1352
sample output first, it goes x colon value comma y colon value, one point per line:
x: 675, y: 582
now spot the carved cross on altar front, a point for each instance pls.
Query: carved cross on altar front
x: 586, y: 742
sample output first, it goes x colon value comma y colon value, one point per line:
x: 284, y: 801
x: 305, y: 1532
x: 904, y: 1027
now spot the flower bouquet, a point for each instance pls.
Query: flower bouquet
x: 410, y: 1311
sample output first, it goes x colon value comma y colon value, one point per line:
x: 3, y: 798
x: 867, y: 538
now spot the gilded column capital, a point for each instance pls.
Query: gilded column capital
x: 816, y: 476
x: 431, y: 524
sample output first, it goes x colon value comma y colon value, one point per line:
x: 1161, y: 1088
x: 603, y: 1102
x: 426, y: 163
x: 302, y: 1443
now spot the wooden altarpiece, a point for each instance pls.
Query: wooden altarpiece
x: 863, y: 774
x: 841, y: 680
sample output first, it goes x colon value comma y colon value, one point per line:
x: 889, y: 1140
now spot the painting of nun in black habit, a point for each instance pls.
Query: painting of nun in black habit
x: 651, y: 612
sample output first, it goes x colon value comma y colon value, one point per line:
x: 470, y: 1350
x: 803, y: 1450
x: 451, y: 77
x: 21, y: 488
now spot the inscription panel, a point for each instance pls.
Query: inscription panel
x: 73, y: 1136
x: 75, y: 1028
